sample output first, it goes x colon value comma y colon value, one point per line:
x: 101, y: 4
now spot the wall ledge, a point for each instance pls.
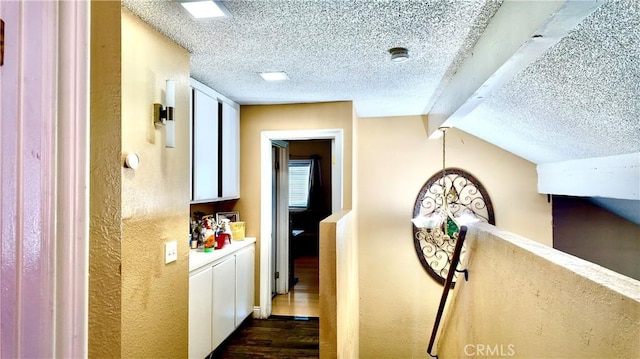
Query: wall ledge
x: 617, y: 282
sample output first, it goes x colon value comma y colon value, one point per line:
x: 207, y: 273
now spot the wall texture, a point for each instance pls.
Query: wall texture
x: 139, y: 305
x: 254, y: 120
x: 592, y: 233
x: 526, y: 300
x: 339, y: 292
x: 105, y: 181
x: 155, y: 197
x: 394, y: 159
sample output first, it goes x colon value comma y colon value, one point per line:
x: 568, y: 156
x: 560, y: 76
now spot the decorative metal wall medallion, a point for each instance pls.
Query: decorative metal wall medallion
x: 466, y: 197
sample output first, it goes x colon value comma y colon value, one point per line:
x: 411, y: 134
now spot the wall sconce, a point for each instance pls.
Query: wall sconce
x: 163, y: 116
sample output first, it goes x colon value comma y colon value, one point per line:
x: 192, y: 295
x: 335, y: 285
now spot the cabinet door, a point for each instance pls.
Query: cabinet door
x: 205, y: 146
x: 223, y: 303
x: 230, y: 152
x: 245, y: 262
x: 200, y: 314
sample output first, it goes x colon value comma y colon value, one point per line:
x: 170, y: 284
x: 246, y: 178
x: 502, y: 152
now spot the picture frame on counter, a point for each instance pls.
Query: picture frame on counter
x: 231, y: 216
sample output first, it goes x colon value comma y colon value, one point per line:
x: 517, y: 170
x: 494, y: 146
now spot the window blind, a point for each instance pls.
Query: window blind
x: 299, y: 178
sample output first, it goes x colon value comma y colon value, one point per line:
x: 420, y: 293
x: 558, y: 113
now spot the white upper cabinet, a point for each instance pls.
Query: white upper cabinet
x: 215, y: 135
x: 205, y: 147
x: 230, y: 152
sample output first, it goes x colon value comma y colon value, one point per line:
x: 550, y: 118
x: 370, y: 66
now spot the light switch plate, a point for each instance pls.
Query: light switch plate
x: 170, y: 252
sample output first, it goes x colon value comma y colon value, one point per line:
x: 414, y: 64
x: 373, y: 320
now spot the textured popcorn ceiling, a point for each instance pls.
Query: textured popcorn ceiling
x: 331, y: 50
x: 581, y: 99
x: 578, y: 100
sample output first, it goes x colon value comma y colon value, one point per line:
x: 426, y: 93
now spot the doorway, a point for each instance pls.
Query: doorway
x: 309, y: 201
x: 267, y: 248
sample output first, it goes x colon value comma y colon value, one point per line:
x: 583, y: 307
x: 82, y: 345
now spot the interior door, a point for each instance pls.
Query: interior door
x: 280, y: 200
x: 274, y: 218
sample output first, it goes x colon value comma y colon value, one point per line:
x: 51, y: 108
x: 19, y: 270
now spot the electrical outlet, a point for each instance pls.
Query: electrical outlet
x: 170, y: 252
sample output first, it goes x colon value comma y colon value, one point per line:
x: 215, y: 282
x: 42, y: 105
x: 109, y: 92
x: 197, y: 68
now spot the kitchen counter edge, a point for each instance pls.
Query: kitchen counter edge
x: 198, y: 258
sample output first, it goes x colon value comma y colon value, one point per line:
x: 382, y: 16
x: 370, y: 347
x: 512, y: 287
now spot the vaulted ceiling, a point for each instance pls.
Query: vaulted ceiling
x: 554, y: 82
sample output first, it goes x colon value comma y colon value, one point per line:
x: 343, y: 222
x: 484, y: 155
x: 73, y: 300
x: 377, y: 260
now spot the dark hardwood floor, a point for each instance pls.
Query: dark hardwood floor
x: 292, y: 331
x: 280, y: 337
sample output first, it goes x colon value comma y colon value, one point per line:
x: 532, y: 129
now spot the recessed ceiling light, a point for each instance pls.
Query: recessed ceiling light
x: 399, y: 54
x: 274, y: 76
x: 204, y: 9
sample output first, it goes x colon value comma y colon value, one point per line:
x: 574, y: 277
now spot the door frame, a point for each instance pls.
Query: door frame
x: 266, y: 137
x: 49, y: 287
x: 72, y: 180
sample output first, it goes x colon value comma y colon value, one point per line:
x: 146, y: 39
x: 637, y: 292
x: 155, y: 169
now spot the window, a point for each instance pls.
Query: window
x: 299, y: 179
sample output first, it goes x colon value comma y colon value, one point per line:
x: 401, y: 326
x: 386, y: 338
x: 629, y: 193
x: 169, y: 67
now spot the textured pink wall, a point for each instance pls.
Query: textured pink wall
x: 26, y: 178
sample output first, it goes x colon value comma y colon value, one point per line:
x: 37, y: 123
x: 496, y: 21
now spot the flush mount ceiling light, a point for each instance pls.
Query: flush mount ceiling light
x: 205, y: 9
x: 399, y: 54
x: 274, y: 76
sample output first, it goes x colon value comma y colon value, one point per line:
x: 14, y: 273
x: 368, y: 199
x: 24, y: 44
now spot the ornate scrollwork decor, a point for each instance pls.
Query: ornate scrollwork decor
x: 465, y: 199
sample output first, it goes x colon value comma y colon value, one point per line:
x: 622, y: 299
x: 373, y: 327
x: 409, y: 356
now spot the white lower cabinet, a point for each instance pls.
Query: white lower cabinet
x: 223, y: 303
x: 220, y: 298
x: 244, y: 283
x: 200, y: 294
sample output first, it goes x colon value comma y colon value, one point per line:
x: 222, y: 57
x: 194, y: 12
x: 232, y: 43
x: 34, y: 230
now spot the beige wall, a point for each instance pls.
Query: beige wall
x: 254, y: 120
x: 105, y: 182
x: 394, y: 158
x: 155, y: 202
x: 339, y: 292
x: 590, y: 232
x: 525, y: 300
x: 149, y: 205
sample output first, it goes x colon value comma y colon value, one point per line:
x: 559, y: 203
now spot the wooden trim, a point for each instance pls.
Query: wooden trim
x: 72, y: 264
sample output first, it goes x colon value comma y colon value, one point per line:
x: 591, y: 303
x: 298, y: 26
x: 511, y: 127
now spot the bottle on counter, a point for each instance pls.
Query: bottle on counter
x: 193, y: 235
x: 222, y: 235
x: 226, y: 228
x: 193, y: 241
x: 209, y: 237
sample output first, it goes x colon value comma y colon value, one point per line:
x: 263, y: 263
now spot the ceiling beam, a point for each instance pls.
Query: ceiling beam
x: 610, y: 177
x: 519, y: 32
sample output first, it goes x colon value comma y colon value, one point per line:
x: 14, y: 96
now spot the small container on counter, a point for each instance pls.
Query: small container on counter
x: 209, y: 237
x: 222, y: 239
x: 237, y: 230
